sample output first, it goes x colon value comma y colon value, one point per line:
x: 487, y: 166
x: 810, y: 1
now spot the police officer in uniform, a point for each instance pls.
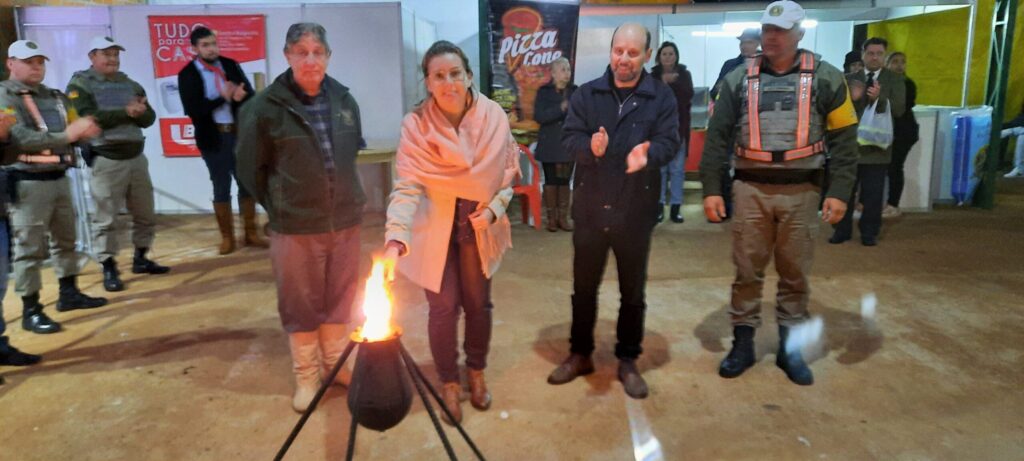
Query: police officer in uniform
x: 9, y: 355
x: 120, y: 172
x: 37, y: 155
x: 781, y: 114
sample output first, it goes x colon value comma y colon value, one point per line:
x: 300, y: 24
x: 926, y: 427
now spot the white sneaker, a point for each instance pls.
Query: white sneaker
x: 891, y: 212
x: 1015, y: 173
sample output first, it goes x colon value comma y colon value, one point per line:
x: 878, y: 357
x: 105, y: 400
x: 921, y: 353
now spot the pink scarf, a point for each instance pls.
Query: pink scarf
x: 473, y: 163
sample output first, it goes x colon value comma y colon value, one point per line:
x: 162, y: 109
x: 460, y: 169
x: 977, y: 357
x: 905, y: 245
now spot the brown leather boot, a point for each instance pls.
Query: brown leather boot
x: 225, y: 221
x: 564, y: 200
x: 247, y: 208
x: 575, y: 365
x: 451, y: 393
x: 551, y: 205
x: 479, y: 397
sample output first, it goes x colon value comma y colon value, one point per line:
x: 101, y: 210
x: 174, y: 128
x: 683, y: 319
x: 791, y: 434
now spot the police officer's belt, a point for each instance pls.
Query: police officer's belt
x: 781, y: 177
x: 18, y: 175
x: 780, y: 155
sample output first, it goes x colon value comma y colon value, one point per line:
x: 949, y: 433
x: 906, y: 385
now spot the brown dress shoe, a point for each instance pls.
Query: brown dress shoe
x: 632, y: 382
x: 575, y: 365
x: 478, y: 395
x: 451, y: 393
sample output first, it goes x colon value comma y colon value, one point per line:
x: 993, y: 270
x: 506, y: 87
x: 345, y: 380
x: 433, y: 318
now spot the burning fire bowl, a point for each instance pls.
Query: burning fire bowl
x: 379, y: 395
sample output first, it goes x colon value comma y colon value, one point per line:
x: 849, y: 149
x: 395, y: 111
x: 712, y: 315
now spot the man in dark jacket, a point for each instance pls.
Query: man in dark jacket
x: 750, y: 40
x: 621, y: 129
x: 297, y: 155
x: 212, y: 89
x: 888, y: 91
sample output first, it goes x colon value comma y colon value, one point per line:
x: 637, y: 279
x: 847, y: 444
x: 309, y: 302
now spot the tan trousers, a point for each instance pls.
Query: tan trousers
x: 118, y: 184
x: 777, y: 220
x: 42, y: 219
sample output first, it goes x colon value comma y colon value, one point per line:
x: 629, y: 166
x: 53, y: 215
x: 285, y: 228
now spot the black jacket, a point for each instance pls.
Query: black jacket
x: 605, y: 196
x: 683, y: 89
x: 548, y: 112
x: 200, y: 109
x: 727, y: 67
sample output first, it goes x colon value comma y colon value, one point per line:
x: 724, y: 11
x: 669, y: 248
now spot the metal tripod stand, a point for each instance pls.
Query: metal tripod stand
x: 419, y: 381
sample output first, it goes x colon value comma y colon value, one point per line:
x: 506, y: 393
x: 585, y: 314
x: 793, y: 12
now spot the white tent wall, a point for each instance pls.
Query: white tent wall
x: 373, y: 74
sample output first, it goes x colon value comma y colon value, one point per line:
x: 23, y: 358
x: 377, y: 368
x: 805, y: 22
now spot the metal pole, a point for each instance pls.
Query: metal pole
x: 1003, y: 19
x: 440, y: 403
x: 410, y: 366
x: 352, y: 438
x: 971, y: 20
x: 316, y: 399
x: 485, y: 47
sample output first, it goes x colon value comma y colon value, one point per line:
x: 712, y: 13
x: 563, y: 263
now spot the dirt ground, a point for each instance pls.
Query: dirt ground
x: 194, y: 365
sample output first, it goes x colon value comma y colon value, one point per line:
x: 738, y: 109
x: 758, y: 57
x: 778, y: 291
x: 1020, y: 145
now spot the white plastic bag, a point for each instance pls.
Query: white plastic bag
x: 875, y: 129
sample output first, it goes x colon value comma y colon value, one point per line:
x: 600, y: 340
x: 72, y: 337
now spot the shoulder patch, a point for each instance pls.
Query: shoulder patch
x: 73, y: 94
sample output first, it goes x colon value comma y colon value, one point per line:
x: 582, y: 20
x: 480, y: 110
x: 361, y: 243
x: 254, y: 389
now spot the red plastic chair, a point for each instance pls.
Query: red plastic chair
x: 531, y: 201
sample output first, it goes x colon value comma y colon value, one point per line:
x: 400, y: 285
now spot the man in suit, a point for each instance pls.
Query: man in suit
x: 212, y: 88
x: 888, y: 90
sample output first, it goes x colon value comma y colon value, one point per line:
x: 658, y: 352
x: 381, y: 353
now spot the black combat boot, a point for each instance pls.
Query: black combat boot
x: 33, y: 319
x: 10, y: 355
x: 143, y: 265
x: 111, y: 276
x: 71, y: 299
x: 792, y: 362
x: 741, y: 356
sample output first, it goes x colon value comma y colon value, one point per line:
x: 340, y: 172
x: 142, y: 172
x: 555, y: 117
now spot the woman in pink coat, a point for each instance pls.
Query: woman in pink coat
x: 446, y: 225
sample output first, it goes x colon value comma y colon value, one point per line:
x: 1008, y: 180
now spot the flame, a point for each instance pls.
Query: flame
x: 377, y: 306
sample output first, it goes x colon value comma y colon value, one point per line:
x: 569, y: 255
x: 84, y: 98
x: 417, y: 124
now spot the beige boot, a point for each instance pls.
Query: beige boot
x: 227, y: 227
x: 247, y: 208
x: 332, y: 345
x: 305, y: 347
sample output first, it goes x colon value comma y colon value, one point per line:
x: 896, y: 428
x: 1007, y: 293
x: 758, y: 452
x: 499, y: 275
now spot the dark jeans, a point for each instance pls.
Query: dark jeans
x: 900, y: 150
x: 871, y: 181
x: 221, y: 163
x: 5, y: 244
x: 464, y: 286
x: 590, y: 254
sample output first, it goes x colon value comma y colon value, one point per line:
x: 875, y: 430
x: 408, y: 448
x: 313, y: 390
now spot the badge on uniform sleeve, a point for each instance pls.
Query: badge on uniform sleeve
x: 73, y: 94
x: 347, y: 117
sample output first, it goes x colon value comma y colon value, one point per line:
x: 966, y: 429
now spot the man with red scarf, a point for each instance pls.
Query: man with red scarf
x: 212, y: 88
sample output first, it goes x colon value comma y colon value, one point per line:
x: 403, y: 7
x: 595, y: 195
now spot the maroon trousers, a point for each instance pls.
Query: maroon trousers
x: 317, y: 277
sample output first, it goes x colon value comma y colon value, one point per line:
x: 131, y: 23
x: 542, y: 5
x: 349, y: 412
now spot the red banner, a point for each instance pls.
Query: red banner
x: 239, y: 37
